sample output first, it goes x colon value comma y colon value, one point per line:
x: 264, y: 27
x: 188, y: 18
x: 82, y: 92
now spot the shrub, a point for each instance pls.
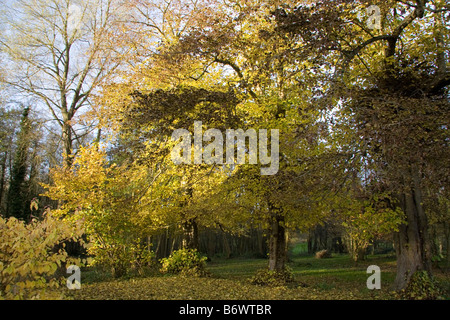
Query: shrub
x: 184, y: 262
x: 266, y: 277
x: 422, y: 286
x: 104, y: 197
x: 31, y: 254
x: 121, y: 258
x: 323, y: 254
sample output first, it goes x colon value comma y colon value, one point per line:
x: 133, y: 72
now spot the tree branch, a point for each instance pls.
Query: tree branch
x: 237, y: 70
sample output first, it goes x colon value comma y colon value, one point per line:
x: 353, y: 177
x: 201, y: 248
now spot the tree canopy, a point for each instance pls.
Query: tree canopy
x: 289, y: 118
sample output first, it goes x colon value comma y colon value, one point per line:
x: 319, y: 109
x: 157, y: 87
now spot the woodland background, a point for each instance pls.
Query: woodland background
x: 91, y: 92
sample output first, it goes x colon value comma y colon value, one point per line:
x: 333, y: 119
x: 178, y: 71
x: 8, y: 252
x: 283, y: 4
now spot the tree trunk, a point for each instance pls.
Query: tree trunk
x: 3, y: 176
x: 358, y: 252
x: 447, y: 244
x: 260, y: 242
x: 310, y: 242
x: 226, y: 245
x: 411, y: 241
x: 67, y: 143
x: 190, y: 234
x: 277, y: 242
x: 212, y: 243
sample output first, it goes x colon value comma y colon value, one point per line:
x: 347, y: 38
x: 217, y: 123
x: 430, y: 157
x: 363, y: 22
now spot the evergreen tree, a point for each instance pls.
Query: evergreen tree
x: 17, y: 193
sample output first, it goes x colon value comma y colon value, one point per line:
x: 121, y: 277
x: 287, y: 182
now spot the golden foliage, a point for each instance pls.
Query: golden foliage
x: 109, y: 201
x: 30, y: 255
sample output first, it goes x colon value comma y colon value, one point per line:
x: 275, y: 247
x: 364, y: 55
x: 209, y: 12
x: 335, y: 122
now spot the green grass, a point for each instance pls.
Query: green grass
x: 305, y: 267
x: 300, y: 248
x: 337, y: 277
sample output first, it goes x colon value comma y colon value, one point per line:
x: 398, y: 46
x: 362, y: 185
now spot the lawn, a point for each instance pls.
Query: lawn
x: 333, y: 278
